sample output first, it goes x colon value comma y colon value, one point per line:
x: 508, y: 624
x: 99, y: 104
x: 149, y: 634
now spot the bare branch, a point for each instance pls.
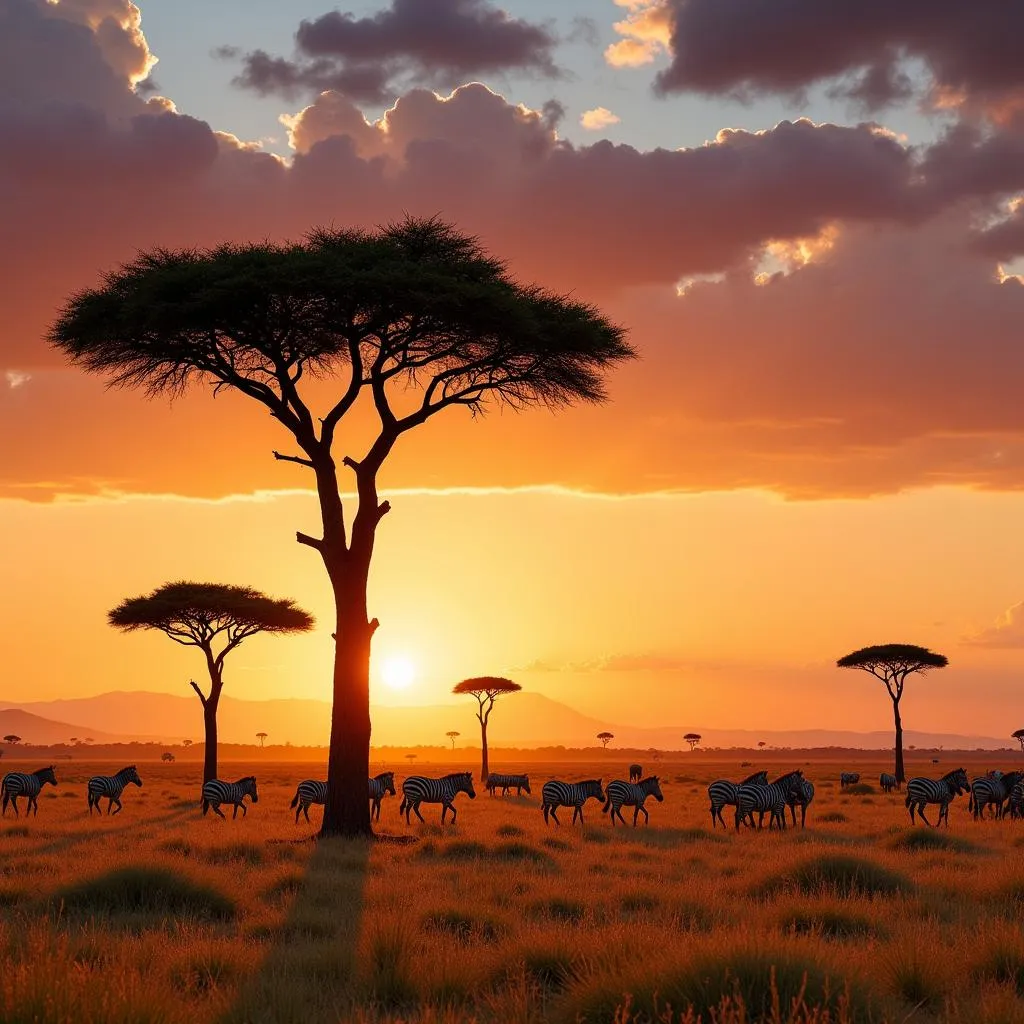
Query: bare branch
x: 293, y: 458
x: 195, y: 686
x: 312, y: 542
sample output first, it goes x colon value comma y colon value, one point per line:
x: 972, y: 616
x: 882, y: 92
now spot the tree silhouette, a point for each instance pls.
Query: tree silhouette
x: 453, y: 736
x: 74, y: 739
x: 892, y: 663
x: 604, y: 737
x: 203, y: 615
x: 486, y: 690
x: 410, y: 758
x: 413, y: 318
x: 1019, y: 737
x: 186, y: 743
x: 760, y: 744
x: 261, y: 736
x: 12, y: 739
x: 693, y: 738
x: 167, y: 756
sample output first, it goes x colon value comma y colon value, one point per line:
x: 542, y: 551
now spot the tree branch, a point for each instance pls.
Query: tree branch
x: 311, y: 542
x: 195, y: 686
x: 293, y: 458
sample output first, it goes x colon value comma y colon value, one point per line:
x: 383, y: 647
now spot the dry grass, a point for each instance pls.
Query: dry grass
x: 161, y: 915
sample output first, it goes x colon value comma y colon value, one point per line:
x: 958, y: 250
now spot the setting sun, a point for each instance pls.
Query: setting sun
x: 398, y: 672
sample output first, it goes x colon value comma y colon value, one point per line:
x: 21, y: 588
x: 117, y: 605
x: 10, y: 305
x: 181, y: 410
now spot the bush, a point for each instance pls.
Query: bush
x: 1003, y: 964
x: 560, y: 909
x: 859, y: 789
x: 921, y: 839
x: 839, y: 875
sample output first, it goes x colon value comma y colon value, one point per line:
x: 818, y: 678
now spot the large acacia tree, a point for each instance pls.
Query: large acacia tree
x: 486, y: 690
x: 413, y: 319
x: 892, y: 663
x: 216, y: 618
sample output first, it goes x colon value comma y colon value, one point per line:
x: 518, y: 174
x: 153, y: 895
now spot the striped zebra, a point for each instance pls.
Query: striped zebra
x: 888, y: 782
x: 848, y: 779
x: 217, y: 792
x: 506, y: 782
x: 636, y: 772
x: 417, y: 789
x: 770, y: 797
x: 632, y: 794
x: 26, y: 784
x: 722, y: 793
x: 801, y: 794
x: 1016, y: 801
x: 557, y: 794
x: 922, y: 791
x: 111, y: 787
x: 992, y: 790
x: 312, y: 791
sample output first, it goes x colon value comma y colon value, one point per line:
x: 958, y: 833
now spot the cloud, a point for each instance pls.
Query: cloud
x: 412, y: 42
x: 971, y: 53
x: 598, y: 118
x: 646, y: 32
x: 16, y: 378
x: 1007, y: 632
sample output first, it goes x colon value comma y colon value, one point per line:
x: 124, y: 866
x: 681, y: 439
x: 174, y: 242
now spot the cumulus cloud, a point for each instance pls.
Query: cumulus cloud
x: 971, y: 51
x: 598, y: 118
x: 412, y: 42
x: 16, y: 378
x: 1007, y: 632
x: 646, y: 32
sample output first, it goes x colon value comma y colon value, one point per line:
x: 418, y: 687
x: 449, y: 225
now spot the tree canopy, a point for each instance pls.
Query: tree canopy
x: 892, y: 663
x: 486, y: 687
x: 1018, y: 735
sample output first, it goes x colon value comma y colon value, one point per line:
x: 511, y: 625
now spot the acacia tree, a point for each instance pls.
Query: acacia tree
x: 412, y: 319
x: 453, y: 736
x: 693, y: 738
x: 261, y: 736
x: 186, y: 743
x: 892, y: 663
x: 1019, y: 737
x: 486, y: 690
x: 604, y: 737
x: 12, y: 739
x: 208, y: 615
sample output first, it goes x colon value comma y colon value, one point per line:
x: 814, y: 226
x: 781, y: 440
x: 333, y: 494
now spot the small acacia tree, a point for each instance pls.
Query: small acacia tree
x: 261, y: 736
x: 12, y: 739
x: 186, y: 743
x: 604, y: 737
x: 892, y: 663
x: 1019, y: 737
x: 693, y: 738
x: 412, y: 319
x: 486, y: 690
x: 208, y: 615
x: 453, y: 736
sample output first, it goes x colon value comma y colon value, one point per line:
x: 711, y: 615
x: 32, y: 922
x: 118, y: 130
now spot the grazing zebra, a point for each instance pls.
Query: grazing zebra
x: 888, y: 782
x: 380, y: 785
x: 769, y: 797
x: 111, y: 787
x: 506, y: 782
x: 417, y: 789
x: 801, y: 794
x: 557, y: 794
x: 312, y: 791
x: 636, y: 772
x: 848, y: 779
x: 992, y: 790
x: 27, y: 784
x: 935, y: 791
x: 722, y: 792
x: 217, y: 792
x: 632, y: 794
x: 1016, y: 801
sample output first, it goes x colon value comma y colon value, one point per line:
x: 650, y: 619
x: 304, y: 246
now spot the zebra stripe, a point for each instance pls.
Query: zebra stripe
x: 632, y: 794
x: 922, y: 791
x: 848, y: 779
x: 27, y: 784
x: 1016, y: 801
x: 722, y: 793
x: 771, y: 797
x: 217, y: 792
x: 636, y: 772
x: 992, y: 790
x: 557, y: 794
x: 417, y: 789
x: 111, y: 787
x: 506, y: 782
x: 888, y: 782
x: 801, y: 794
x: 311, y: 791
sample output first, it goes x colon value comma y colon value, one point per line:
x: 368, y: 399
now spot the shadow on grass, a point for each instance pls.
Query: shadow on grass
x: 131, y: 826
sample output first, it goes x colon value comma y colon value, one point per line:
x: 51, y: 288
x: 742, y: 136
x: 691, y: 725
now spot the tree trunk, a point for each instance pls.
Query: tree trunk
x: 210, y: 751
x: 900, y: 777
x: 484, y: 771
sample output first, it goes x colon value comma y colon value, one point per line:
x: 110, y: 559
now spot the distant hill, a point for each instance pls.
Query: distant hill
x: 525, y: 720
x: 36, y: 730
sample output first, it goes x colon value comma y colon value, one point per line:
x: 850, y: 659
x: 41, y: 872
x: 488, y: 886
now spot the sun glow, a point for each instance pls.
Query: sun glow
x: 398, y: 672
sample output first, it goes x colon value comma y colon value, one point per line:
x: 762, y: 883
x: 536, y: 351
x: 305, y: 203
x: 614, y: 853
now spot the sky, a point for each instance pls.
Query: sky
x: 809, y: 218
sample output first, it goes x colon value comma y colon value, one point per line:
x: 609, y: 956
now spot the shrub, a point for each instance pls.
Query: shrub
x: 859, y: 789
x: 520, y: 851
x: 919, y: 980
x: 839, y: 875
x: 831, y: 922
x: 922, y: 839
x: 560, y: 909
x: 1003, y: 964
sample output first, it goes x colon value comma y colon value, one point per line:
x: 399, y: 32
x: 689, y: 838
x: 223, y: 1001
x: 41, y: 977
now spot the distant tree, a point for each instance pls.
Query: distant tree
x: 167, y: 756
x: 453, y: 736
x: 89, y: 739
x: 410, y: 758
x: 604, y: 737
x: 760, y: 744
x: 693, y: 738
x: 1019, y: 737
x: 486, y: 690
x: 892, y: 663
x: 12, y: 739
x: 261, y: 736
x: 204, y: 615
x: 407, y: 321
x: 913, y: 746
x: 73, y: 739
x: 186, y: 744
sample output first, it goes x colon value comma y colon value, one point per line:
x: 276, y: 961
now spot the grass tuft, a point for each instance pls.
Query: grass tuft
x: 833, y: 817
x: 510, y: 831
x: 834, y: 874
x: 859, y: 789
x: 560, y: 909
x: 918, y: 839
x: 830, y: 922
x: 469, y: 929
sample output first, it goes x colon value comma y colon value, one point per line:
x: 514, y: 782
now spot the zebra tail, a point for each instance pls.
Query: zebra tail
x: 295, y: 799
x: 607, y: 804
x: 906, y: 803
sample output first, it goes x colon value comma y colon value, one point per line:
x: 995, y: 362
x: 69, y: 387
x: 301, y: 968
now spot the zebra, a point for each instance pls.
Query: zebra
x: 27, y: 784
x: 217, y: 792
x: 922, y: 791
x: 636, y: 772
x: 111, y: 787
x: 992, y: 790
x: 1016, y: 801
x: 380, y: 785
x: 771, y: 797
x: 417, y: 789
x: 632, y: 794
x: 801, y: 794
x: 848, y: 779
x: 722, y: 792
x: 557, y: 794
x: 506, y: 782
x: 311, y: 791
x: 888, y: 782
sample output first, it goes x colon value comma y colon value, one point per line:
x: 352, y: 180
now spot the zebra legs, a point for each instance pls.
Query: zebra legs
x: 234, y: 813
x: 577, y: 810
x: 446, y: 807
x: 215, y: 808
x: 550, y: 809
x: 5, y: 800
x: 636, y: 811
x: 110, y: 803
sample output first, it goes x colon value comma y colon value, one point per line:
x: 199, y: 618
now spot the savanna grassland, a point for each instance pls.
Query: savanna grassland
x: 159, y: 914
